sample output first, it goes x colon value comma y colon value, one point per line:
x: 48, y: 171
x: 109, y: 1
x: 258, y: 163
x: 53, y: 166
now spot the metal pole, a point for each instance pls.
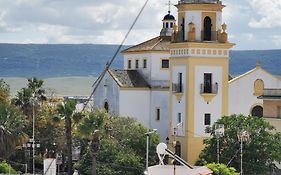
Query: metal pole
x: 241, y: 154
x: 147, y: 140
x: 33, y: 137
x: 218, y: 150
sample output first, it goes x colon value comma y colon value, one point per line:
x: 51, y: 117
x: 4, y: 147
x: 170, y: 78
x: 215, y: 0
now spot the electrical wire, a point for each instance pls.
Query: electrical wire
x: 98, y: 81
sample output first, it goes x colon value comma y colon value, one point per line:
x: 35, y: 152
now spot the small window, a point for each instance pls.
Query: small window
x: 179, y: 118
x: 172, y: 25
x: 167, y: 25
x: 158, y: 114
x: 207, y: 119
x: 137, y: 64
x: 144, y: 63
x: 129, y: 64
x: 165, y: 64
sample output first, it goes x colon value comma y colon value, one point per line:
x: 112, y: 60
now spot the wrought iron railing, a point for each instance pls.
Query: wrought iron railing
x: 209, y: 89
x: 177, y: 87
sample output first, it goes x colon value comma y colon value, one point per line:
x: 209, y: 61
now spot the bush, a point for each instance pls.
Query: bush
x: 222, y: 169
x: 6, y: 168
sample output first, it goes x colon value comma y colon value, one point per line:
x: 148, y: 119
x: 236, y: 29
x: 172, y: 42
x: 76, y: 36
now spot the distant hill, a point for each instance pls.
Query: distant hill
x: 61, y: 60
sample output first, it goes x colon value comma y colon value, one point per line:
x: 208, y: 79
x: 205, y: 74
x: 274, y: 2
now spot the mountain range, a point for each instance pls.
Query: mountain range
x: 62, y: 60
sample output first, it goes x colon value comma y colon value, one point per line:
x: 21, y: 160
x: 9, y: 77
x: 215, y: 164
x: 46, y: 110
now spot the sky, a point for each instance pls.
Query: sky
x: 252, y: 24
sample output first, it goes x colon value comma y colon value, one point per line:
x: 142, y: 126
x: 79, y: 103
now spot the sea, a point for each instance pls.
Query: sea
x: 63, y: 60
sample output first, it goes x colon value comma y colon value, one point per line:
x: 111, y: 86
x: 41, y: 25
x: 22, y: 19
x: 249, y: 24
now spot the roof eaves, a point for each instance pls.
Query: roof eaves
x: 126, y: 50
x: 115, y: 78
x: 243, y: 75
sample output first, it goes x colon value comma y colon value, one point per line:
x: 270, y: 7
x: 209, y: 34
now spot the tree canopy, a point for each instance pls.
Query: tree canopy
x: 122, y: 145
x: 260, y: 152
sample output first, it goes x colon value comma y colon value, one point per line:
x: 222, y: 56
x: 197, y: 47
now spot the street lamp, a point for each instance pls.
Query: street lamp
x: 242, y: 135
x: 219, y: 132
x: 147, y: 144
x: 31, y: 144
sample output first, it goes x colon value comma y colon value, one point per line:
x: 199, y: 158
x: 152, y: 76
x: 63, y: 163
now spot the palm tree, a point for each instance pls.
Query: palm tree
x: 91, y: 127
x: 66, y: 110
x: 12, y: 129
x: 26, y: 97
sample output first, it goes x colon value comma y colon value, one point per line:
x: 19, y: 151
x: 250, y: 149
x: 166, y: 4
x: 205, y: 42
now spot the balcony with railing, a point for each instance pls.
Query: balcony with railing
x: 177, y: 88
x: 209, y: 89
x: 208, y: 92
x: 199, y: 1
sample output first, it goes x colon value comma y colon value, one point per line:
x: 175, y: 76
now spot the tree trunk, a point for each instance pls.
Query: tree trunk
x: 69, y: 144
x: 94, y: 164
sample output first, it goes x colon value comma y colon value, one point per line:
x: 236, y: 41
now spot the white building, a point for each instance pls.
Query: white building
x: 179, y: 81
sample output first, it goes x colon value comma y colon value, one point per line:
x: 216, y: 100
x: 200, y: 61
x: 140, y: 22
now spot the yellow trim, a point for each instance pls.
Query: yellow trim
x: 178, y: 95
x: 201, y: 45
x: 202, y: 7
x: 213, y: 16
x: 258, y: 87
x: 161, y: 63
x: 135, y: 88
x: 192, y: 144
x: 208, y: 97
x: 147, y: 51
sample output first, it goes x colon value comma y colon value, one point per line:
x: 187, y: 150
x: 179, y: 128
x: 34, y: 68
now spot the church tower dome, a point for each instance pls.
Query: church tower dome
x: 168, y: 24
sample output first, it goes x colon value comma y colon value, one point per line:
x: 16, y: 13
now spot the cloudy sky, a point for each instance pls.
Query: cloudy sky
x: 252, y: 24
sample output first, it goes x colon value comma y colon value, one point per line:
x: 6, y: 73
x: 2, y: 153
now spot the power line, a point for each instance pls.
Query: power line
x: 98, y: 81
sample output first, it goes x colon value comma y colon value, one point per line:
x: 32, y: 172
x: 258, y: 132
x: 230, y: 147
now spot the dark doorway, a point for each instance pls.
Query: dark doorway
x: 207, y: 29
x: 183, y: 29
x: 257, y: 111
x: 207, y: 83
x: 106, y: 107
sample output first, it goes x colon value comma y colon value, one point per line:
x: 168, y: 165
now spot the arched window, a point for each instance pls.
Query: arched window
x: 207, y: 29
x: 257, y: 111
x: 167, y: 25
x: 106, y: 106
x: 258, y: 87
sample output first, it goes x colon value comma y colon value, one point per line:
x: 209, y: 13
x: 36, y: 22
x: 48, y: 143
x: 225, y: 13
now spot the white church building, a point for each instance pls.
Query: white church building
x: 179, y: 83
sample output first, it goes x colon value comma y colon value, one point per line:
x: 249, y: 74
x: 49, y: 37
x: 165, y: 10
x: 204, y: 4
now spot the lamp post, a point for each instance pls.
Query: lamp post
x: 242, y: 135
x: 31, y: 144
x: 147, y: 151
x: 219, y: 132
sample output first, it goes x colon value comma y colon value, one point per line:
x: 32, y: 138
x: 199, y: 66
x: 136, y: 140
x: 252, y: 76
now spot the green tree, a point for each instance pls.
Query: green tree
x: 66, y: 111
x: 30, y: 96
x: 12, y: 129
x: 259, y: 152
x: 222, y: 169
x: 122, y: 145
x: 4, y: 92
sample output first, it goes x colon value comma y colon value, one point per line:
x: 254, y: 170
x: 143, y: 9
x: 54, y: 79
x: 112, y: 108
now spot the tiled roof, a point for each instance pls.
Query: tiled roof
x: 159, y: 43
x: 128, y: 78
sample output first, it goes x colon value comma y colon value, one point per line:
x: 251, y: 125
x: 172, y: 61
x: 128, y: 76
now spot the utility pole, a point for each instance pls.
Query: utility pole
x: 33, y: 135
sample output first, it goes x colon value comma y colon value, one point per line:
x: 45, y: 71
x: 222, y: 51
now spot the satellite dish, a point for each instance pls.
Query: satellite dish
x: 161, y: 148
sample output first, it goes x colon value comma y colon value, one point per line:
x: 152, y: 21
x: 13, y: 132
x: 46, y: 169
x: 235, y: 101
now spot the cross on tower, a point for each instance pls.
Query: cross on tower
x: 169, y: 4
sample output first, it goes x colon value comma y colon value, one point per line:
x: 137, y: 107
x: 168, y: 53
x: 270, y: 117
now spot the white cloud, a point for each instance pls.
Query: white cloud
x: 276, y: 39
x: 268, y: 13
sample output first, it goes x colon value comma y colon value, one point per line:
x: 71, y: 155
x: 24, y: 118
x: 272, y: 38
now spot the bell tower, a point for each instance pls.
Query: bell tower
x: 199, y: 73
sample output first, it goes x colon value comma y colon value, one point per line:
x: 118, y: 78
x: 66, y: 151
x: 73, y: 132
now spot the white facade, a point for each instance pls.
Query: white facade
x: 136, y: 104
x: 108, y: 91
x: 153, y: 73
x: 201, y: 107
x: 179, y: 106
x: 241, y: 91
